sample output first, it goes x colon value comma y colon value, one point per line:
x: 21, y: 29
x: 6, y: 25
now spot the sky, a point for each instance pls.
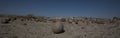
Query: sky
x: 94, y: 8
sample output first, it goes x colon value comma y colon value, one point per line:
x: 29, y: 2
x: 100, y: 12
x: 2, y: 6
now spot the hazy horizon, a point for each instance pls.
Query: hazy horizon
x: 94, y: 8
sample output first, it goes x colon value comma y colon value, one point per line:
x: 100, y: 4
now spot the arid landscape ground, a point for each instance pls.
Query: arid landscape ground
x: 13, y: 26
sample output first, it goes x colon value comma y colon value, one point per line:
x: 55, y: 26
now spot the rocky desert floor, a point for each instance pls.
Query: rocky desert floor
x: 58, y: 27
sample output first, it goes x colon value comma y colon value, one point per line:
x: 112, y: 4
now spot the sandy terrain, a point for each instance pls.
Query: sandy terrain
x: 68, y: 27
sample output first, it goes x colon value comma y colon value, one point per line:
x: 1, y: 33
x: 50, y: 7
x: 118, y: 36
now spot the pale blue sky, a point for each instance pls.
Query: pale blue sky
x: 95, y: 8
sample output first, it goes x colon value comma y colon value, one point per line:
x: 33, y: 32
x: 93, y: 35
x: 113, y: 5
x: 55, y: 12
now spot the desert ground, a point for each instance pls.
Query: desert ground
x: 13, y: 26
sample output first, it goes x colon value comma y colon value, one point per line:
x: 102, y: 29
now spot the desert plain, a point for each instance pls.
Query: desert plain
x: 29, y: 26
